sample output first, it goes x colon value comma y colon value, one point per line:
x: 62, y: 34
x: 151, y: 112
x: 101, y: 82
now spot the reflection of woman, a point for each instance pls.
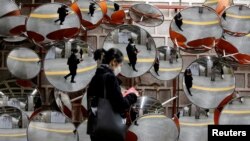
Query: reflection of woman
x: 73, y: 61
x: 157, y: 66
x: 188, y: 80
x: 178, y: 21
x: 132, y: 53
x: 110, y: 68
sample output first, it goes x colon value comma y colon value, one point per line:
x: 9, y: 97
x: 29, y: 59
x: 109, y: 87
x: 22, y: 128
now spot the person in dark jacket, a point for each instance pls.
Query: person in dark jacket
x: 178, y: 21
x: 110, y: 68
x: 63, y: 12
x: 73, y: 61
x: 81, y: 53
x: 116, y: 7
x: 38, y: 103
x: 92, y: 9
x: 188, y: 80
x: 157, y: 66
x: 132, y: 53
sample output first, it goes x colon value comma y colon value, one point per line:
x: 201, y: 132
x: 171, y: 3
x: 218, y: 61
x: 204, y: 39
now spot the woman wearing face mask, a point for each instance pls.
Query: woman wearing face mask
x: 110, y: 68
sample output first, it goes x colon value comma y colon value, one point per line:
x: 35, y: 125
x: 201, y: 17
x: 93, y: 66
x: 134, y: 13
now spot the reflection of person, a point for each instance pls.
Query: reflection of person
x: 173, y: 56
x: 116, y: 7
x: 200, y: 10
x: 178, y: 21
x: 63, y: 12
x: 110, y: 68
x: 213, y: 73
x: 92, y: 9
x: 188, y: 80
x: 157, y: 66
x: 224, y: 15
x: 221, y: 72
x: 237, y: 96
x: 73, y: 61
x: 132, y: 53
x: 81, y: 53
x: 200, y: 111
x: 148, y: 44
x: 37, y: 103
x: 134, y: 114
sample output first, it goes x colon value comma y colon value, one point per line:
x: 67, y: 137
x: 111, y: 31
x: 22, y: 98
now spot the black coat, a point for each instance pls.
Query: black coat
x: 63, y: 12
x: 188, y: 81
x: 157, y: 65
x: 132, y: 53
x: 73, y: 61
x: 113, y: 91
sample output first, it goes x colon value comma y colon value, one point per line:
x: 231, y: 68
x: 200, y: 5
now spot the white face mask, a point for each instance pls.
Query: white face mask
x: 117, y: 70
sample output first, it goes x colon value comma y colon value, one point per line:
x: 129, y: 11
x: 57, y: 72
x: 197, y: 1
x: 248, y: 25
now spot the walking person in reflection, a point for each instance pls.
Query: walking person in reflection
x: 63, y: 12
x: 200, y: 10
x: 178, y: 20
x: 222, y: 72
x: 116, y: 7
x: 132, y: 54
x: 81, y: 53
x: 73, y: 61
x: 157, y: 66
x: 224, y: 15
x: 213, y: 73
x: 188, y: 80
x: 92, y: 9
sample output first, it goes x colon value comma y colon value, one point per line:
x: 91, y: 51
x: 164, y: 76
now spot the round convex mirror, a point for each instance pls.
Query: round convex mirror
x: 52, y: 22
x: 168, y: 63
x: 137, y: 46
x: 91, y: 14
x: 236, y: 112
x: 51, y: 125
x: 23, y: 63
x: 27, y: 98
x: 69, y: 65
x: 146, y: 15
x: 13, y: 124
x: 236, y: 20
x: 196, y: 29
x: 207, y: 81
x: 114, y: 15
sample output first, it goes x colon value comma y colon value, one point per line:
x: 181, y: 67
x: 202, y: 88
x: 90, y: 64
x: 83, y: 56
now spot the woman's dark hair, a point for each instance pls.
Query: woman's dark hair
x: 113, y: 54
x: 187, y: 71
x: 131, y: 40
x: 98, y: 54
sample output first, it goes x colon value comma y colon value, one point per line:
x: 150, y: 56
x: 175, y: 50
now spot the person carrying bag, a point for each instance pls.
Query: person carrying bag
x: 109, y: 122
x: 106, y: 104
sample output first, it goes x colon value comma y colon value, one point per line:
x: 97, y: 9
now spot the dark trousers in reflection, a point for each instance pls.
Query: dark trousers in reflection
x: 72, y: 74
x: 179, y: 24
x: 61, y: 19
x: 156, y: 68
x: 188, y: 88
x: 132, y: 61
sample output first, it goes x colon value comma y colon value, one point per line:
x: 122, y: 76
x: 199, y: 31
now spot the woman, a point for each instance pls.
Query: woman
x: 188, y: 80
x: 110, y: 68
x: 178, y: 21
x: 132, y: 53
